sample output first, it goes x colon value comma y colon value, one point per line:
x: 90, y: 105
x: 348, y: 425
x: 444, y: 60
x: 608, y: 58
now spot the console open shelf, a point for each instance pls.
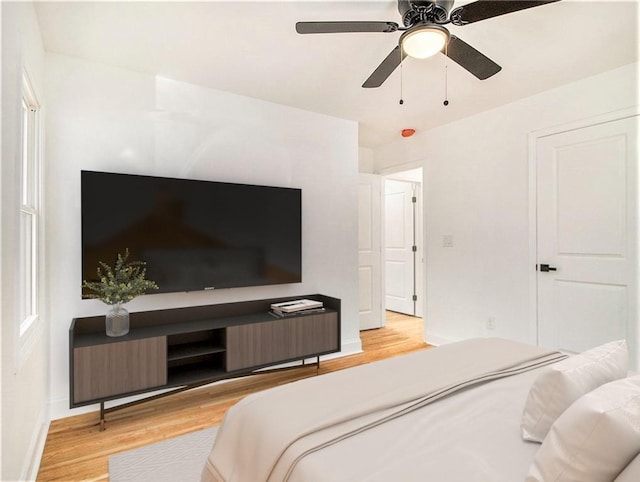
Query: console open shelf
x: 194, y: 350
x: 195, y: 344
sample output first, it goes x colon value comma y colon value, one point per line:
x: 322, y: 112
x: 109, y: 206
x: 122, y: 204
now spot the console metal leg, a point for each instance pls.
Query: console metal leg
x: 104, y: 411
x: 102, y: 420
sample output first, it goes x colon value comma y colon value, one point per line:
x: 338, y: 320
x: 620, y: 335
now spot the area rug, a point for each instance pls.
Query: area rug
x: 172, y: 460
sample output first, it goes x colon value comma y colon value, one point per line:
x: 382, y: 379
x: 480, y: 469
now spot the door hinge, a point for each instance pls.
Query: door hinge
x: 415, y: 297
x: 414, y: 248
x: 414, y: 199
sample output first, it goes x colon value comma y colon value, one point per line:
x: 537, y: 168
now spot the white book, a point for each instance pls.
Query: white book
x: 282, y: 314
x: 296, y: 305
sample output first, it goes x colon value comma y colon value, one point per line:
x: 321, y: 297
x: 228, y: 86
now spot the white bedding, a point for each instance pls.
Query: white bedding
x: 475, y: 431
x: 472, y: 433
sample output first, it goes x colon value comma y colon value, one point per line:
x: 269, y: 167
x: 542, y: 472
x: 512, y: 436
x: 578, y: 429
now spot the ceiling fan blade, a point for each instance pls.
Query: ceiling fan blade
x: 345, y: 27
x: 384, y: 70
x: 470, y: 59
x: 483, y: 9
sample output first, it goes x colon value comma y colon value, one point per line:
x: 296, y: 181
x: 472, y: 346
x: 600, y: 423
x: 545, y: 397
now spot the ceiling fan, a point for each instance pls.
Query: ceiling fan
x: 424, y: 33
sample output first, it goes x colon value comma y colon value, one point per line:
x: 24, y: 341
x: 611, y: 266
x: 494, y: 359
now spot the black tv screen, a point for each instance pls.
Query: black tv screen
x: 192, y: 235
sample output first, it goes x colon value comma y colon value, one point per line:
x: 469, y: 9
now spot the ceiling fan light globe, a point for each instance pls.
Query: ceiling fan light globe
x: 424, y: 41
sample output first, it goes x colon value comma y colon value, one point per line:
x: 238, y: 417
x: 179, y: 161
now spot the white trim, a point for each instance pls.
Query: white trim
x: 352, y: 347
x: 36, y: 447
x: 533, y: 138
x: 533, y: 241
x: 29, y: 329
x: 437, y: 340
x: 407, y: 166
x: 587, y: 122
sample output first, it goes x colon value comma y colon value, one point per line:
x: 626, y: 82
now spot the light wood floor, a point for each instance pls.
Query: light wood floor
x: 75, y: 450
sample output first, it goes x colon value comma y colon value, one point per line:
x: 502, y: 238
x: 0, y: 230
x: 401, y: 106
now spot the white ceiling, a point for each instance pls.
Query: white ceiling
x: 252, y: 49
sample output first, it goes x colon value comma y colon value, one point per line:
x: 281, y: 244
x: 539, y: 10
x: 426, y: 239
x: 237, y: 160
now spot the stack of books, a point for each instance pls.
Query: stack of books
x: 296, y: 307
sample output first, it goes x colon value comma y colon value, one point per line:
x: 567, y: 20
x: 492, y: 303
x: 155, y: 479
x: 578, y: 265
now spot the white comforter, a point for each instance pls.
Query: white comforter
x: 371, y: 422
x: 473, y: 436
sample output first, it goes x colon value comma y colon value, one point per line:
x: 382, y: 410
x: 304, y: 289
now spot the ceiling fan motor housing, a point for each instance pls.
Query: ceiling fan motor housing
x: 432, y: 11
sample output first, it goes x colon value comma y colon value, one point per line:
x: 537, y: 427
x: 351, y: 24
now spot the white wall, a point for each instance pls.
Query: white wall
x: 24, y: 383
x: 476, y: 189
x: 104, y: 118
x: 365, y: 160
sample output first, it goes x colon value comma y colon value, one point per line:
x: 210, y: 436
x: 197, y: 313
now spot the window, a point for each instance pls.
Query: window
x: 29, y: 215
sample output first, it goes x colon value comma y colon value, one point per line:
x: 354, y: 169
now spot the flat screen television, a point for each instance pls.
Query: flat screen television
x: 192, y: 235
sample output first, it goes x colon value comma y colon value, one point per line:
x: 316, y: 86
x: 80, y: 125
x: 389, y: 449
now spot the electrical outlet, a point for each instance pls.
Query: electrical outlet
x: 447, y: 241
x: 491, y: 324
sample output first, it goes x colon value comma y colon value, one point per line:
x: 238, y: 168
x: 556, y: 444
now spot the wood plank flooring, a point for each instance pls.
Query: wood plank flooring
x: 76, y: 450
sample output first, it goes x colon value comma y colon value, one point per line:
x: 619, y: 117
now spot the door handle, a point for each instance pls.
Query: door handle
x: 546, y: 267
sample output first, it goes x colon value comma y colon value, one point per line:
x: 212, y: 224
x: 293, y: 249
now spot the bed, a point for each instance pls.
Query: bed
x: 481, y: 410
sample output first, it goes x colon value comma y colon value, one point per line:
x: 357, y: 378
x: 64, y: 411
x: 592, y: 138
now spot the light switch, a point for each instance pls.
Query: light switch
x: 447, y: 241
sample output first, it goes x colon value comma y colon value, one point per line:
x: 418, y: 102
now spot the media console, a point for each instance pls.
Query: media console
x: 182, y: 348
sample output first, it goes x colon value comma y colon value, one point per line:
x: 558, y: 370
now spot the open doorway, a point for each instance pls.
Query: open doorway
x: 385, y: 278
x: 403, y: 258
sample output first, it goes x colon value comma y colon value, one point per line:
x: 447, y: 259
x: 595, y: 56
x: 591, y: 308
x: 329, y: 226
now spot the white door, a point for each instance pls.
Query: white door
x: 370, y: 281
x: 399, y: 246
x: 587, y: 208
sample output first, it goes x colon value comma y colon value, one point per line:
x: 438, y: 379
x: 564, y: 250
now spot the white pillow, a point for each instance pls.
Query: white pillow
x: 594, y: 439
x: 561, y: 384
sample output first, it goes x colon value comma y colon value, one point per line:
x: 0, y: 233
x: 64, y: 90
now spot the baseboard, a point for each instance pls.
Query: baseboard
x: 352, y: 347
x: 36, y: 447
x: 437, y: 340
x: 59, y: 408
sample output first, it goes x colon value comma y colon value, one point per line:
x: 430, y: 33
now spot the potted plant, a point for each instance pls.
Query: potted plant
x: 117, y: 286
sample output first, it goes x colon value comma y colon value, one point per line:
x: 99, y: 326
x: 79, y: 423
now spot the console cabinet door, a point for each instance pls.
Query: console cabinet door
x: 259, y: 344
x: 101, y: 371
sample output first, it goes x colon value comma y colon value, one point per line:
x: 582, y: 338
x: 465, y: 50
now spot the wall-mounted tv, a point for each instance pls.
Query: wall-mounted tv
x: 193, y: 235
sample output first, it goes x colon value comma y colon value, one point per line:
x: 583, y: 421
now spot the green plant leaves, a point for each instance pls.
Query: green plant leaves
x: 119, y: 284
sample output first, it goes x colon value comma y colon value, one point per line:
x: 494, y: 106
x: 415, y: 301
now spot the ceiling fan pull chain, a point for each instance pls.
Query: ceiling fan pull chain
x: 446, y: 78
x: 401, y: 99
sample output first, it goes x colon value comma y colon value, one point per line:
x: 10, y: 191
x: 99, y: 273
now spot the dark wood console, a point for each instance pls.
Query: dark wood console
x: 187, y: 347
